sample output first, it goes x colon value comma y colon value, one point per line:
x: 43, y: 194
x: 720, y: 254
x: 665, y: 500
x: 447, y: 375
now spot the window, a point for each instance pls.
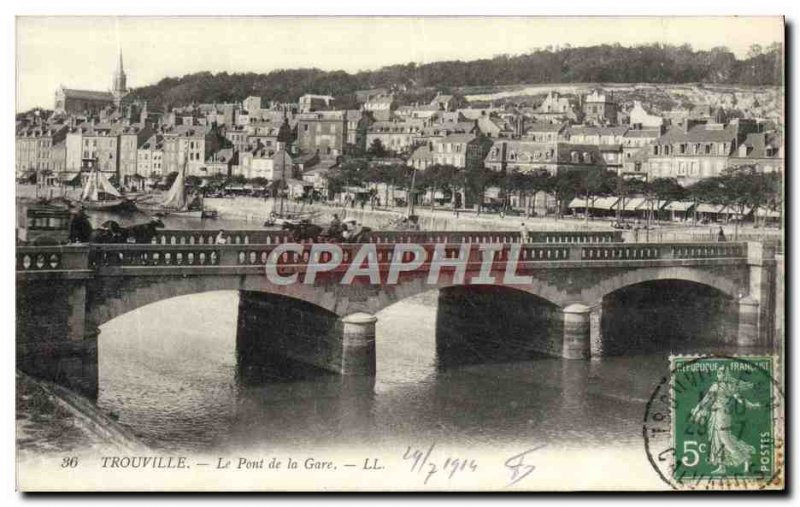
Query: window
x: 708, y: 149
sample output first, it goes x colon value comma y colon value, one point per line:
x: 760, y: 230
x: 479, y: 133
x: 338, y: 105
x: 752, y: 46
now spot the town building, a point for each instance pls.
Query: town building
x: 358, y: 122
x: 554, y: 109
x: 762, y: 150
x: 252, y: 104
x: 237, y: 136
x: 589, y: 134
x: 150, y: 158
x: 599, y: 108
x: 397, y: 136
x: 93, y: 145
x: 34, y: 148
x: 417, y: 112
x: 363, y: 96
x: 196, y: 143
x: 264, y: 163
x: 522, y: 156
x: 322, y: 132
x: 221, y: 162
x: 697, y: 150
x: 131, y: 137
x: 382, y: 105
x: 635, y: 146
x: 444, y: 102
x: 309, y: 103
x: 641, y: 119
x: 72, y: 101
x: 545, y: 132
x: 461, y: 150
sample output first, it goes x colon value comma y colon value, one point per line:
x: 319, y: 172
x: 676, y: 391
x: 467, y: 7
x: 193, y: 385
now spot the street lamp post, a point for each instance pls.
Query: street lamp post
x: 411, y: 192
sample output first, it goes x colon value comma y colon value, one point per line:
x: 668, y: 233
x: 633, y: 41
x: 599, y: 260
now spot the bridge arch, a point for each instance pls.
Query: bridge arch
x: 730, y: 286
x: 667, y: 313
x: 109, y: 297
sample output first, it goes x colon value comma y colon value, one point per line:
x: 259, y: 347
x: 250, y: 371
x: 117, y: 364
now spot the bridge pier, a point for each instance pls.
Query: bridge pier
x: 596, y: 330
x: 749, y: 314
x: 53, y: 340
x: 287, y: 338
x: 358, y: 344
x: 577, y: 332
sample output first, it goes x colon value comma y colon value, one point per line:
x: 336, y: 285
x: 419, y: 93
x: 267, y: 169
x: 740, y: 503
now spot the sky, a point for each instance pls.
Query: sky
x: 81, y: 52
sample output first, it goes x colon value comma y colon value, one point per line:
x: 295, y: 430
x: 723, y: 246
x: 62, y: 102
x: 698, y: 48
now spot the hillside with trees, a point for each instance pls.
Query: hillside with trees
x: 655, y: 63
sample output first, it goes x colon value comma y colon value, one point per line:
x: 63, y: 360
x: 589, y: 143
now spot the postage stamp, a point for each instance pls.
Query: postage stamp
x: 723, y: 417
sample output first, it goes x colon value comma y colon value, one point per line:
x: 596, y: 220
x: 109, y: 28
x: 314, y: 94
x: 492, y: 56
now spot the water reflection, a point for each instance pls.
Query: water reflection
x: 168, y: 371
x: 173, y: 222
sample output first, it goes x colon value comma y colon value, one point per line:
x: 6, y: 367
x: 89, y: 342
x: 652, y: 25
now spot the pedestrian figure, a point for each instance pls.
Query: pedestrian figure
x: 523, y: 233
x: 721, y: 234
x: 221, y: 240
x: 80, y: 229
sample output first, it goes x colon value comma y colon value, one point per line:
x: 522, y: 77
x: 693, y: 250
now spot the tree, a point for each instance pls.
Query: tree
x: 667, y: 189
x: 478, y: 179
x: 597, y: 182
x: 439, y: 177
x: 376, y: 148
x: 566, y: 185
x: 741, y: 189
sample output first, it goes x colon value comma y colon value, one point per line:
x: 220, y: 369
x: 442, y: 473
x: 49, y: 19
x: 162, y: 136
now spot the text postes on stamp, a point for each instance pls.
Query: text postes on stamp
x: 716, y: 424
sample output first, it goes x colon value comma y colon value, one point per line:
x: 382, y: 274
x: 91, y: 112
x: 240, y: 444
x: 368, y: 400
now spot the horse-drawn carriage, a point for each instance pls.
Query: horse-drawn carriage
x: 349, y: 231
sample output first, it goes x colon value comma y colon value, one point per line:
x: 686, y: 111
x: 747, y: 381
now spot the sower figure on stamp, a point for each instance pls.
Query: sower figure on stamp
x: 714, y: 411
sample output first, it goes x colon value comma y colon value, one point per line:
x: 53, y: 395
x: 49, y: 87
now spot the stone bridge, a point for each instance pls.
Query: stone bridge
x: 559, y: 284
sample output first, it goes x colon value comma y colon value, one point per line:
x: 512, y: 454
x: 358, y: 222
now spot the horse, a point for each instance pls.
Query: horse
x: 143, y: 233
x: 358, y: 235
x: 109, y: 232
x: 303, y: 231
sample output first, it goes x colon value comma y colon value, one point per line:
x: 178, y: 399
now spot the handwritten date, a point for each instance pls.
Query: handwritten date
x: 428, y: 463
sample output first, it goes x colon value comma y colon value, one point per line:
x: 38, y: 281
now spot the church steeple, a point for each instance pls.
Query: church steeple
x: 120, y: 78
x: 119, y: 86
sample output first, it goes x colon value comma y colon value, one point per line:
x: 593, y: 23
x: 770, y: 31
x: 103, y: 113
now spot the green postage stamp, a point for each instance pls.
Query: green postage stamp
x: 724, y: 411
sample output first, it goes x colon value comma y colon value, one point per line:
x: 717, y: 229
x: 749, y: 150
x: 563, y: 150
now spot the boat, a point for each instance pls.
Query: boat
x: 100, y: 195
x: 177, y: 203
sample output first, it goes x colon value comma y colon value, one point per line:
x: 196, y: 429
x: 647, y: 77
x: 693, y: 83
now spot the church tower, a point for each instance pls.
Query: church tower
x: 119, y: 87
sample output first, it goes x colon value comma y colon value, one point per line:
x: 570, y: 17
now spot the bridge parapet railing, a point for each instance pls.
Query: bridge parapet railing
x: 647, y: 251
x: 52, y: 258
x: 267, y: 237
x: 156, y: 255
x: 209, y: 237
x: 494, y: 237
x: 98, y: 256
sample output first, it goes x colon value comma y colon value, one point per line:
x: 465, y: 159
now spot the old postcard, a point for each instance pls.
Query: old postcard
x: 372, y: 254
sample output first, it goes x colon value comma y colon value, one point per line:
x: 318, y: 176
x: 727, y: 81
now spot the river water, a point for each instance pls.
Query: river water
x: 167, y: 370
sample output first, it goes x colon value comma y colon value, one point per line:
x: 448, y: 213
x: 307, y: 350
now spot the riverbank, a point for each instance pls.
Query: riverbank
x: 51, y: 420
x: 251, y: 213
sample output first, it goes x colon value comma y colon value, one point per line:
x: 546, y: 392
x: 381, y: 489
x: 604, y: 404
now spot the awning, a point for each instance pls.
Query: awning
x: 714, y: 209
x: 731, y: 210
x: 631, y: 203
x: 656, y: 205
x: 763, y: 212
x: 605, y: 203
x: 679, y: 206
x: 577, y: 202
